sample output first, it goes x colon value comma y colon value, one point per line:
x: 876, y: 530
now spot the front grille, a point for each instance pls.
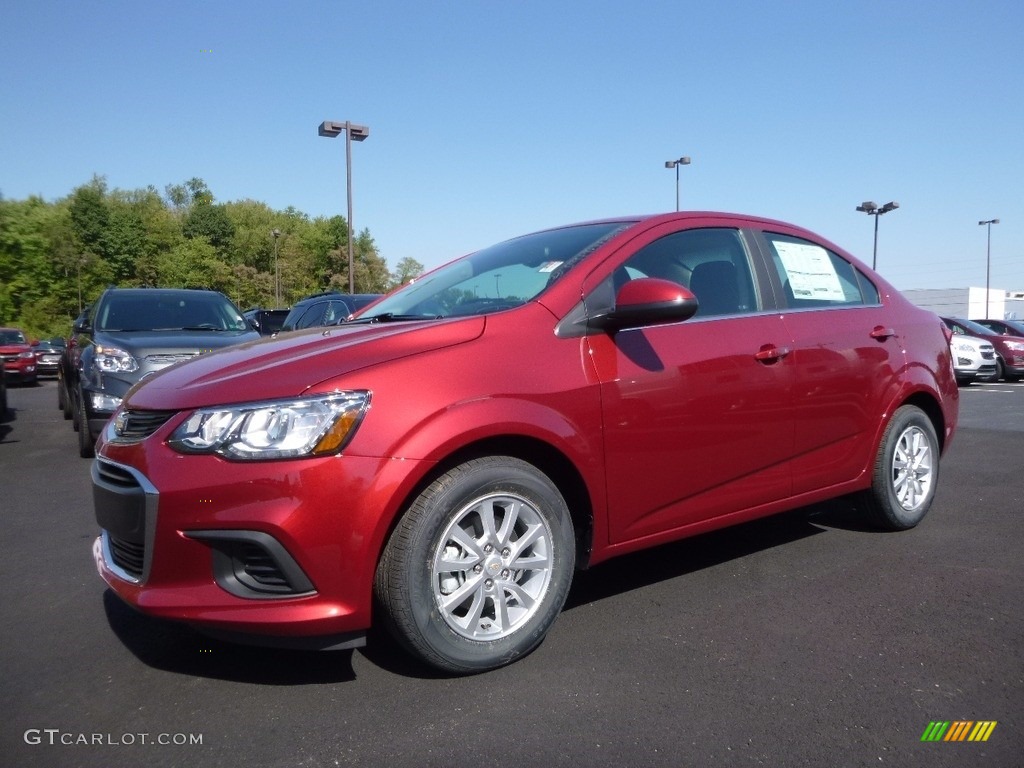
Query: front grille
x: 988, y: 354
x: 128, y: 556
x: 135, y: 425
x: 116, y: 475
x: 162, y: 361
x: 125, y: 504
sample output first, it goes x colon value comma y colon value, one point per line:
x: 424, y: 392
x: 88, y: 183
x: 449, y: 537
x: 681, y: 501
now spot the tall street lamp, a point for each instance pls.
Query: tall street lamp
x: 675, y: 164
x: 277, y: 270
x: 871, y: 209
x: 332, y: 128
x: 988, y: 258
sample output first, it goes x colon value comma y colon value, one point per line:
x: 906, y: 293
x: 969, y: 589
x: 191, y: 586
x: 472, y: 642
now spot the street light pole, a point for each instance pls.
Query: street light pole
x: 871, y: 209
x: 988, y: 259
x: 277, y: 271
x: 675, y: 164
x: 332, y: 128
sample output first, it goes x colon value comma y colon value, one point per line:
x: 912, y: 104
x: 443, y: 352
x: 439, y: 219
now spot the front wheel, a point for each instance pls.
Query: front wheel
x: 906, y: 471
x: 479, y: 566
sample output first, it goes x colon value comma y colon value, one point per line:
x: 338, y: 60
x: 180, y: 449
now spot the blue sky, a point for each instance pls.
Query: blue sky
x: 491, y: 119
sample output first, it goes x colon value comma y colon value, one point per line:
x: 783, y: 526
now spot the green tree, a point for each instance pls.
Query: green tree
x: 212, y: 223
x: 194, y: 264
x: 90, y: 215
x: 405, y: 270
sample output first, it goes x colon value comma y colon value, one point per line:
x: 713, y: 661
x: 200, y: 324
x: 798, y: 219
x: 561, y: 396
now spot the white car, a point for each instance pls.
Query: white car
x: 974, y: 359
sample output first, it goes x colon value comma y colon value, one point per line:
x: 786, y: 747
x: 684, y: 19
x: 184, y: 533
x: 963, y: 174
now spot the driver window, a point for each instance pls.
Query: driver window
x: 712, y: 263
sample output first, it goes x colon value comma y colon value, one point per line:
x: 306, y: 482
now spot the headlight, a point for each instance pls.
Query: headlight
x: 1016, y: 346
x: 114, y: 360
x: 285, y: 429
x: 27, y: 355
x: 962, y: 347
x: 104, y: 402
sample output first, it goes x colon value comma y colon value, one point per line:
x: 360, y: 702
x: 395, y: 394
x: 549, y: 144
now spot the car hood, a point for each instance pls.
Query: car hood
x: 172, y: 342
x: 293, y: 363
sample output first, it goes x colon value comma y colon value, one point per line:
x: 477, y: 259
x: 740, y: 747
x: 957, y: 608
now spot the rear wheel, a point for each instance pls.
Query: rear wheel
x: 479, y: 566
x: 906, y: 471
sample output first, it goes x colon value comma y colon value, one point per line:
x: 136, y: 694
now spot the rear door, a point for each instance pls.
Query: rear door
x: 846, y: 356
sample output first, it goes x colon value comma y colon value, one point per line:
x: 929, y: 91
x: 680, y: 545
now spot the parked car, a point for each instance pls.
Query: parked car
x: 443, y: 463
x: 131, y: 333
x: 1009, y: 350
x: 18, y: 360
x: 66, y: 367
x: 326, y: 309
x: 973, y: 359
x: 1003, y: 327
x: 266, y: 321
x: 47, y: 353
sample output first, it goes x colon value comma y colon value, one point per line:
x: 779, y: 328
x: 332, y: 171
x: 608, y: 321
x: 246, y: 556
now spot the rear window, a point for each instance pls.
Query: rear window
x: 813, y: 276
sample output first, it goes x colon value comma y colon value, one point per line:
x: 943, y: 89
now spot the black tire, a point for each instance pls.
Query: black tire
x: 448, y: 583
x: 906, y: 471
x: 86, y: 444
x: 67, y: 405
x: 76, y: 410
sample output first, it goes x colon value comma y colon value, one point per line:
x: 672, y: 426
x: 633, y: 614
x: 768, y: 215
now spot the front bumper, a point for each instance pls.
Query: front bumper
x: 279, y: 553
x: 23, y: 374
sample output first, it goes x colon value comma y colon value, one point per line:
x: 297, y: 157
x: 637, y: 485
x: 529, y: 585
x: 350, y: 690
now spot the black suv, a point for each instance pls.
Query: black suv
x: 326, y: 309
x: 131, y: 333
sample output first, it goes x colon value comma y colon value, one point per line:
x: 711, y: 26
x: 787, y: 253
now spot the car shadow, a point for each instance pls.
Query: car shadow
x: 177, y: 648
x: 6, y: 427
x: 680, y: 558
x: 174, y: 647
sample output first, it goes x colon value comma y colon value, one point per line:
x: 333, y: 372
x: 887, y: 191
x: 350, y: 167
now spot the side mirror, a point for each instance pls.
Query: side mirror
x: 647, y: 301
x: 82, y: 327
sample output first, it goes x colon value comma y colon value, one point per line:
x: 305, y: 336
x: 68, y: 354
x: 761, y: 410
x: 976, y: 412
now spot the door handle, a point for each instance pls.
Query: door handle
x: 769, y: 353
x: 881, y: 333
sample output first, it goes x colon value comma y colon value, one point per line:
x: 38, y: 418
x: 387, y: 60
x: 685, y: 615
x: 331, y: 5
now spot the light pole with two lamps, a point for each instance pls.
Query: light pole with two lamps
x: 988, y: 259
x: 871, y: 209
x: 675, y: 164
x: 332, y: 128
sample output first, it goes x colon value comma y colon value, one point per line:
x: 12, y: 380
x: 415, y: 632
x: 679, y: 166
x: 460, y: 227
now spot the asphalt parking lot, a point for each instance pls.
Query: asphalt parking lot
x: 801, y: 640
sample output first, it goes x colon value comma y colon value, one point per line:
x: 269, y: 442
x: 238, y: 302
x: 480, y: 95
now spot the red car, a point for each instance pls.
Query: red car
x: 19, y: 360
x: 444, y: 462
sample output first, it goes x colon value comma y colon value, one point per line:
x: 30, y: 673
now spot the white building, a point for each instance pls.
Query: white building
x: 970, y: 302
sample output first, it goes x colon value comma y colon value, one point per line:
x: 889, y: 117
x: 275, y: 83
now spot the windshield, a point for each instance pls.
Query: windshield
x: 165, y: 311
x: 12, y: 337
x: 500, y: 277
x: 974, y: 328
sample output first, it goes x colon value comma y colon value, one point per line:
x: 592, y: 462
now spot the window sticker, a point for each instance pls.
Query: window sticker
x: 811, y: 272
x: 549, y: 266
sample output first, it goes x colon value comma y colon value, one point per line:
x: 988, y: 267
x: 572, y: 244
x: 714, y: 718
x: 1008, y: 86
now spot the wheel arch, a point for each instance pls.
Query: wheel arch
x: 927, y: 403
x: 538, y: 453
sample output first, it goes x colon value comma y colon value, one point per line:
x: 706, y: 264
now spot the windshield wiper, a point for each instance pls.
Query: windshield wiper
x: 202, y: 327
x: 389, y: 317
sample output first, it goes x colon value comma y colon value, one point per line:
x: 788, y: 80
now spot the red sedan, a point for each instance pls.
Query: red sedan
x: 444, y: 462
x: 17, y: 357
